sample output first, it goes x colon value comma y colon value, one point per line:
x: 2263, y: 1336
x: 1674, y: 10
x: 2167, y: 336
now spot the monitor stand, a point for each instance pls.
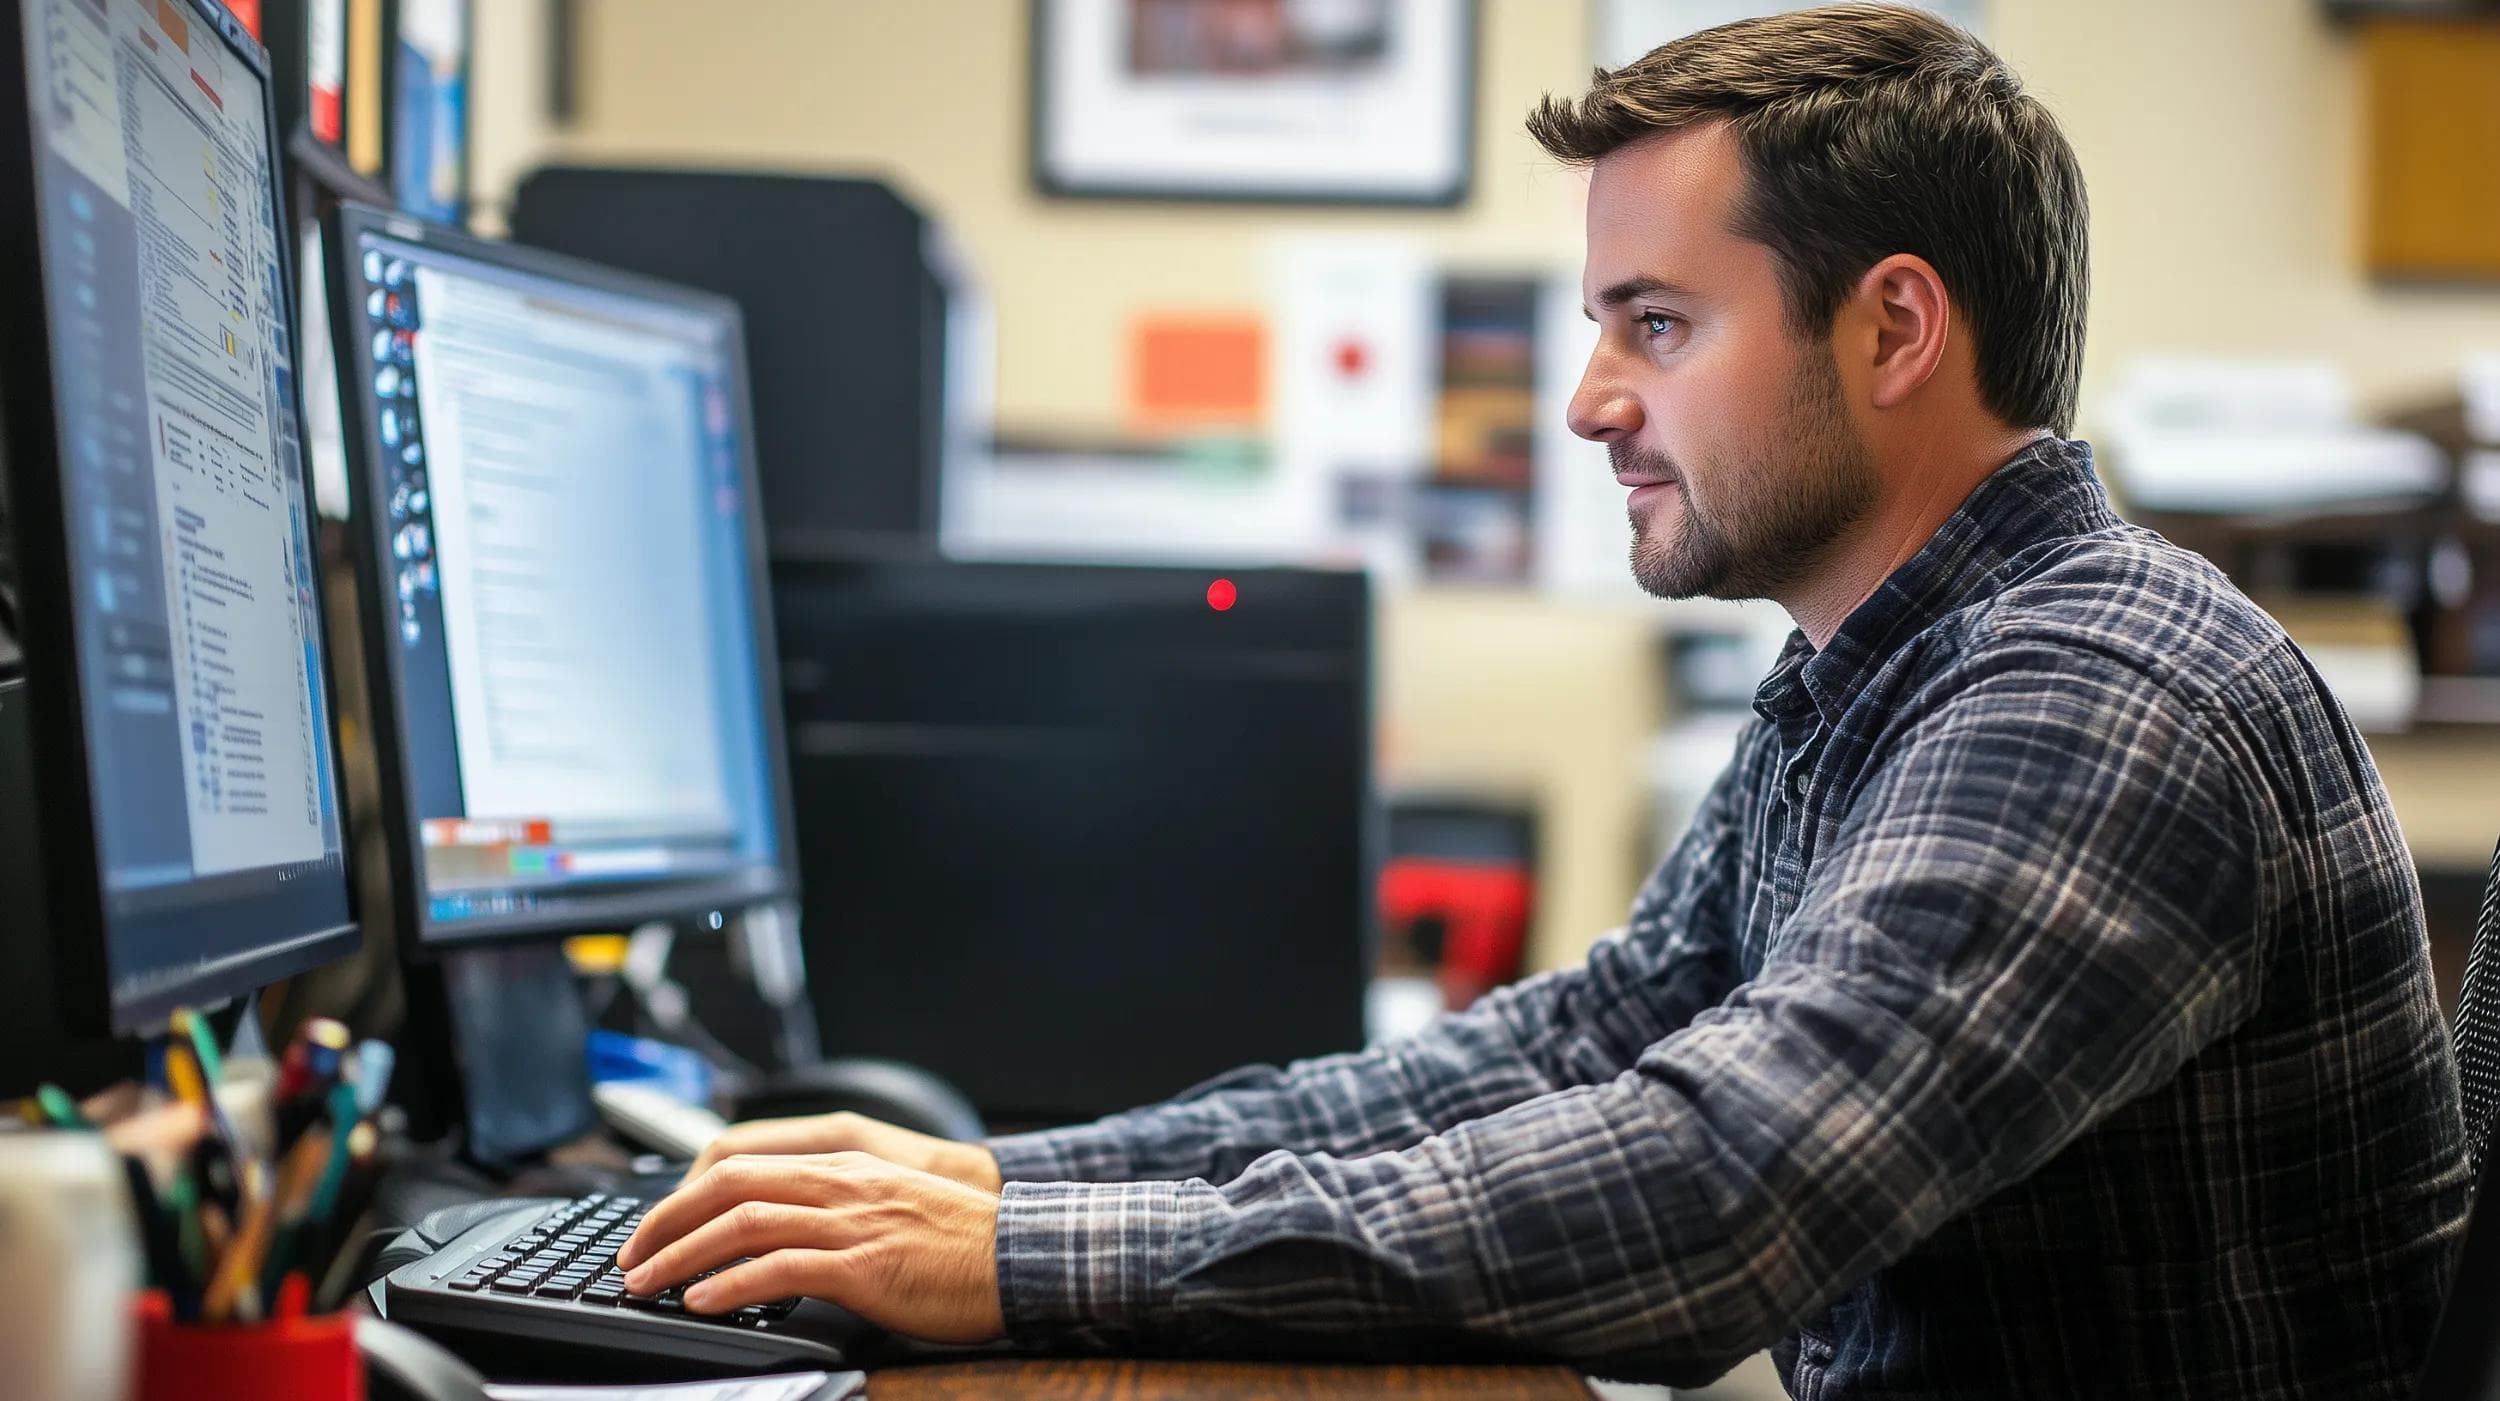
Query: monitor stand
x: 521, y: 1043
x: 34, y: 1046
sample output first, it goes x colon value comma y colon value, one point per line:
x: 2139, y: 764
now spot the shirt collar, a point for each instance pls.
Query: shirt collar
x: 2045, y: 492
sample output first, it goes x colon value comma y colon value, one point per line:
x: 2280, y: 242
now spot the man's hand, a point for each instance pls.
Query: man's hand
x: 909, y: 1251
x: 968, y: 1163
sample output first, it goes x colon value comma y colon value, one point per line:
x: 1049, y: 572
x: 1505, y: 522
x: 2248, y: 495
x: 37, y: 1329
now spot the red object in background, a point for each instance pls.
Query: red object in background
x: 247, y: 11
x: 1221, y: 594
x: 1482, y: 906
x: 300, y: 1357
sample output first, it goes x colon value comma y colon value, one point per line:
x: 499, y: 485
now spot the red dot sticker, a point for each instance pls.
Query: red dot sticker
x: 1220, y: 595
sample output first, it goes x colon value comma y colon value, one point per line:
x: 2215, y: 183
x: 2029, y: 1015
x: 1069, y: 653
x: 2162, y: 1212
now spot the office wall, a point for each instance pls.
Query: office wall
x: 2219, y: 138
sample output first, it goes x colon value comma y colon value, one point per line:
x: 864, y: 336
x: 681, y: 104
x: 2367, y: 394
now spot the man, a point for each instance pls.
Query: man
x: 2039, y: 1004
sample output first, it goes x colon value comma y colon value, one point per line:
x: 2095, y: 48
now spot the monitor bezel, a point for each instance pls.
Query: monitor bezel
x: 37, y: 496
x: 347, y: 225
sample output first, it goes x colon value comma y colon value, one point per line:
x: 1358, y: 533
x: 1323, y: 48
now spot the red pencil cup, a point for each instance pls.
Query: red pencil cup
x: 290, y: 1356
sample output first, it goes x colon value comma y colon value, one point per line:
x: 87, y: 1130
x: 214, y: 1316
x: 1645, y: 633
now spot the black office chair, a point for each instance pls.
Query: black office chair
x: 2465, y: 1357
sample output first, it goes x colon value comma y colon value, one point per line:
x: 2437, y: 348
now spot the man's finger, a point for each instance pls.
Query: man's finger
x: 784, y: 1274
x: 752, y: 1228
x: 773, y: 1136
x: 796, y: 1181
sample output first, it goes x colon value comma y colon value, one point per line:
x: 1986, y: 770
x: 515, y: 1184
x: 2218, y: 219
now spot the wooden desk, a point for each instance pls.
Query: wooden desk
x: 1110, y: 1379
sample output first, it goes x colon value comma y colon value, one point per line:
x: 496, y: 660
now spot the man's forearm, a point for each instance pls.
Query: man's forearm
x: 1460, y: 1068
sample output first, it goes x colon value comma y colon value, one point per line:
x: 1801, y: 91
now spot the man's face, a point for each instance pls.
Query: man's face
x: 1733, y: 431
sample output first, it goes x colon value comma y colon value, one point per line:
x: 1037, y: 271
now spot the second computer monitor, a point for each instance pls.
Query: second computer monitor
x: 565, y: 605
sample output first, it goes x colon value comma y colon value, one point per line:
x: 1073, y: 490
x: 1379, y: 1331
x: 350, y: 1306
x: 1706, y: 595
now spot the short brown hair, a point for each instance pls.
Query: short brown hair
x: 1869, y: 130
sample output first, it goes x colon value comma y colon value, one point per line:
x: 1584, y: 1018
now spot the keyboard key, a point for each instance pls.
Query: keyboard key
x: 511, y: 1284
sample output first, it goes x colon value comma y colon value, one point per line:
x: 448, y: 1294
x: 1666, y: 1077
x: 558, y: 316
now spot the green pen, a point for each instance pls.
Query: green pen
x: 190, y: 1236
x: 60, y: 1107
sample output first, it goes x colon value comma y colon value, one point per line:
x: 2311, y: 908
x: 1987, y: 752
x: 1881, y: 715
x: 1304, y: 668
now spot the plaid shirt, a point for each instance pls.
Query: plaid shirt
x: 2039, y: 1005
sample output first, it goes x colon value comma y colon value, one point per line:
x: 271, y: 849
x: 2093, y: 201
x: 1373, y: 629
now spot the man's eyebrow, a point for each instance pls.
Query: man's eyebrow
x: 1632, y: 289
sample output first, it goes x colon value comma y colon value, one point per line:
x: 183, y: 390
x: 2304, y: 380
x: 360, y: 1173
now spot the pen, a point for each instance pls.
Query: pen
x: 350, y: 1220
x: 191, y: 1233
x: 311, y: 1066
x: 193, y: 1028
x: 233, y: 1293
x: 215, y: 1155
x: 166, y: 1267
x: 317, y: 1047
x: 307, y: 1169
x: 343, y: 1122
x: 60, y: 1108
x: 375, y: 1061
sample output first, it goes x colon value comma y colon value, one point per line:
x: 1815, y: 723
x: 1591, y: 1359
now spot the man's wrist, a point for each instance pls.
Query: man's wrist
x: 1089, y: 1262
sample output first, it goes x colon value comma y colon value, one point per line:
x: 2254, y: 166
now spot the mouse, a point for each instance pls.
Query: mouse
x: 404, y: 1365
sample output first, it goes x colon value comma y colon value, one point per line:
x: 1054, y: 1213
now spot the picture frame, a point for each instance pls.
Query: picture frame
x: 1267, y: 101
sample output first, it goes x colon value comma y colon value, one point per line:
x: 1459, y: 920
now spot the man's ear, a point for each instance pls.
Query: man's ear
x: 1904, y: 300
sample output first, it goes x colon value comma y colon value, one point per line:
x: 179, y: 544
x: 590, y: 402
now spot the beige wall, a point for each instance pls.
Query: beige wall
x: 2219, y: 137
x: 934, y: 95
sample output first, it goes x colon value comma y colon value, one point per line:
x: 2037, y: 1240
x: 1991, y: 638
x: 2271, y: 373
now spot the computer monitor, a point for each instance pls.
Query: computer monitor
x: 566, y: 627
x: 175, y: 719
x: 1079, y: 836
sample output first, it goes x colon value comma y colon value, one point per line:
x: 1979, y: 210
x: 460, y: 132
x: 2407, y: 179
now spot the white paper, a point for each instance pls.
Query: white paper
x: 790, y: 1386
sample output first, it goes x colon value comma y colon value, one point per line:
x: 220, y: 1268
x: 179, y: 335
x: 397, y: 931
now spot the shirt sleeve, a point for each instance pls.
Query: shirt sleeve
x: 2039, y: 906
x: 1577, y: 1026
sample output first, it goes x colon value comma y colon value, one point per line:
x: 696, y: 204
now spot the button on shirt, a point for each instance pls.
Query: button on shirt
x: 2038, y: 1005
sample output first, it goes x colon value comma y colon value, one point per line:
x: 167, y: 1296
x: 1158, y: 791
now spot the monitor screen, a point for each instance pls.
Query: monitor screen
x: 560, y: 507
x: 185, y: 529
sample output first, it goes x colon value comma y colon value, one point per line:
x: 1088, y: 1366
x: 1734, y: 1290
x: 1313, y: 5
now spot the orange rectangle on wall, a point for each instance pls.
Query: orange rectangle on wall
x: 1197, y: 371
x: 176, y: 27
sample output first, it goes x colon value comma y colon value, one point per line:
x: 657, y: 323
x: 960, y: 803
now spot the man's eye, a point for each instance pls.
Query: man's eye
x: 1657, y: 323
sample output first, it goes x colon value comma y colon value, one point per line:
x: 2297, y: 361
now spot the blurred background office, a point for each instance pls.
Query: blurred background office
x: 1237, y: 287
x: 1343, y: 331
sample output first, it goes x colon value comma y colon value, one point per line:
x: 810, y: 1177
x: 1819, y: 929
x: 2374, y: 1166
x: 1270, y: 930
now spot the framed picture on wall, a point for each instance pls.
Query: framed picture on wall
x: 1291, y: 101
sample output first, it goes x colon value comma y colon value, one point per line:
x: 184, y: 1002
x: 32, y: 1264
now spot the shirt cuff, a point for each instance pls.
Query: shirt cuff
x: 1088, y: 1263
x: 1086, y: 1153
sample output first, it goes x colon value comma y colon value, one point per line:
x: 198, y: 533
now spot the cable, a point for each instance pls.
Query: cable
x: 12, y: 651
x: 12, y: 627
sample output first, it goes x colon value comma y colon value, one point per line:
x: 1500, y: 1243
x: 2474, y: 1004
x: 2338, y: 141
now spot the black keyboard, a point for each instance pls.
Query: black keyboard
x: 548, y: 1275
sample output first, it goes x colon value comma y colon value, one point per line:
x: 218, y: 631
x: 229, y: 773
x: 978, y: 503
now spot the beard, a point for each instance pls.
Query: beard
x: 1766, y: 527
